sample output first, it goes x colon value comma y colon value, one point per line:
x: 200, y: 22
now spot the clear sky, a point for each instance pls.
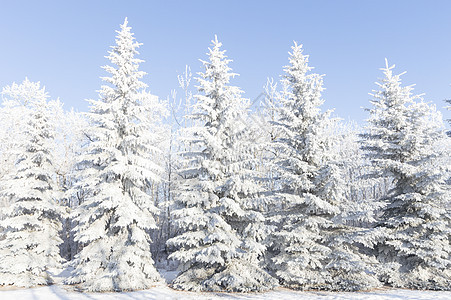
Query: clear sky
x: 62, y: 44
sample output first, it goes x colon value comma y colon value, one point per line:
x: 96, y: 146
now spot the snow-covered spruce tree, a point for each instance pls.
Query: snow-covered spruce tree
x: 311, y: 250
x: 116, y: 211
x: 412, y: 238
x: 218, y: 245
x: 32, y: 220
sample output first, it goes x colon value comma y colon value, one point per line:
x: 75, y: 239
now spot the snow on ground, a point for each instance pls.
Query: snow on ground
x: 163, y: 292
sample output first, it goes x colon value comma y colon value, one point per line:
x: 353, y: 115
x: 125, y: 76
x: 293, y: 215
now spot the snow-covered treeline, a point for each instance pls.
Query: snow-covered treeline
x: 238, y: 198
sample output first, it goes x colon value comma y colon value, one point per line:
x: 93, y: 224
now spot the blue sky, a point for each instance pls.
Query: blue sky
x: 63, y: 44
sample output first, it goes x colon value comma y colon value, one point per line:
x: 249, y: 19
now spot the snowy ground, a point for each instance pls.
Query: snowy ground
x: 162, y: 292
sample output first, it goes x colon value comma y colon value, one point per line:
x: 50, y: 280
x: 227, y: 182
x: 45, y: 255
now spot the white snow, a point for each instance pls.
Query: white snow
x: 162, y: 292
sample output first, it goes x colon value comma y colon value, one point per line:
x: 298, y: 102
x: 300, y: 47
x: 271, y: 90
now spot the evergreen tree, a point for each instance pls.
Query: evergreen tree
x: 219, y: 241
x: 32, y: 220
x: 117, y: 170
x: 412, y: 238
x: 311, y: 249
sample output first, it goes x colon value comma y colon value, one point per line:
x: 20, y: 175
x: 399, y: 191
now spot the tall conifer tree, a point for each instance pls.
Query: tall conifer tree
x: 117, y: 168
x: 311, y: 249
x: 32, y: 220
x: 413, y: 235
x: 219, y: 244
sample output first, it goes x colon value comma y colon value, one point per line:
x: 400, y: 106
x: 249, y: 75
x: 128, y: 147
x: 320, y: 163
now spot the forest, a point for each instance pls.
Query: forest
x: 236, y: 194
